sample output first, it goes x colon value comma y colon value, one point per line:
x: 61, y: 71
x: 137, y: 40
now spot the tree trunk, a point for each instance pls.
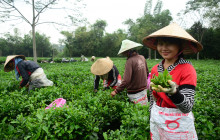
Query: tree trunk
x: 70, y: 52
x: 52, y: 54
x: 155, y: 54
x: 200, y: 41
x: 33, y: 35
x: 149, y: 53
x: 0, y: 52
x: 34, y: 44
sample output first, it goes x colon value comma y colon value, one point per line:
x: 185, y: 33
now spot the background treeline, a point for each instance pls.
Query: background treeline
x: 94, y: 40
x: 16, y: 44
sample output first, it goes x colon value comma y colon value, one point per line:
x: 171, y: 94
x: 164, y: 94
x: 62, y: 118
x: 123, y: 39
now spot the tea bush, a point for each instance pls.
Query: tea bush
x: 89, y: 115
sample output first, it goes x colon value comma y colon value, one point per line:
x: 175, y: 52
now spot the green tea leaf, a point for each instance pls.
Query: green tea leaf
x: 162, y: 79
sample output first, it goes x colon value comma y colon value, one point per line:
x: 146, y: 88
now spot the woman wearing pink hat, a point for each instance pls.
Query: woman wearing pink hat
x: 171, y: 108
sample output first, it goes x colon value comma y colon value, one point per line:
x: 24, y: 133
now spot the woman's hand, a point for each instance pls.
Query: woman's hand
x: 113, y: 93
x: 27, y: 85
x: 170, y: 91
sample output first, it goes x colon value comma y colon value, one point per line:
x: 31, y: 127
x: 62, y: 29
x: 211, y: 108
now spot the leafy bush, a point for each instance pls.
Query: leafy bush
x: 90, y: 115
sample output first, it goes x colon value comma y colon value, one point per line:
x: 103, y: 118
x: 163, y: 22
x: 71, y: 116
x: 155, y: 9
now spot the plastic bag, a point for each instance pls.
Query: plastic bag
x: 139, y: 98
x: 171, y: 124
x: 58, y: 103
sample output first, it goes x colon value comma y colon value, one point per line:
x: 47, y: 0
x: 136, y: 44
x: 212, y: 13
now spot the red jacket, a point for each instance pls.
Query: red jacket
x: 25, y: 69
x: 183, y: 75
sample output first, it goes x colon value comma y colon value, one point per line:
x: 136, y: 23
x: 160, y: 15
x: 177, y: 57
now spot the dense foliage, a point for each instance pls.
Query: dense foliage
x: 210, y: 8
x: 16, y: 44
x: 89, y: 115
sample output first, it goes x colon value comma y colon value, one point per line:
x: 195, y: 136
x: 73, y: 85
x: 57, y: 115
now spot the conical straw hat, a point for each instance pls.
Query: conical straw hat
x: 102, y: 66
x: 127, y: 45
x: 190, y: 45
x: 8, y: 59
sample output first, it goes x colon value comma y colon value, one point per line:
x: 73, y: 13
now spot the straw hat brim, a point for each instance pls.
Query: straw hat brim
x: 7, y: 68
x: 129, y: 45
x: 190, y: 45
x: 102, y: 66
x: 122, y: 51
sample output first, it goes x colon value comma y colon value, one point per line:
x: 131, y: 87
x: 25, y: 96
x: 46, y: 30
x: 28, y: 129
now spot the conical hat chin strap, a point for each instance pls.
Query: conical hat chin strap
x: 190, y: 45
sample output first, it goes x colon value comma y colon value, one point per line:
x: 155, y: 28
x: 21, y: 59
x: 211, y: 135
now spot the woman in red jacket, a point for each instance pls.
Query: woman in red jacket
x: 171, y: 108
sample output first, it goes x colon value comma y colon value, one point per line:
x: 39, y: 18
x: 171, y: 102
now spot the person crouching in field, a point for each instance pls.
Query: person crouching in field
x: 105, y: 69
x: 32, y: 74
x: 171, y: 108
x: 93, y: 58
x: 135, y: 75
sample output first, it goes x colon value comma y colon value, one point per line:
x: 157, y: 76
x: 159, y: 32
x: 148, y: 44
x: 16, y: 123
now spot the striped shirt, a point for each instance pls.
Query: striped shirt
x: 184, y: 75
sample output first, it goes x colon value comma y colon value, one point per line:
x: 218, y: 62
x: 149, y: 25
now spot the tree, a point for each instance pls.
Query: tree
x: 3, y: 46
x: 14, y: 42
x: 148, y: 7
x: 147, y: 11
x: 199, y: 11
x: 93, y: 40
x: 68, y: 41
x: 197, y: 31
x: 55, y: 50
x: 148, y: 24
x: 27, y: 43
x: 44, y: 46
x: 211, y: 10
x: 112, y: 42
x: 211, y: 43
x: 97, y: 32
x: 158, y: 7
x: 131, y: 27
x: 153, y: 20
x: 13, y: 11
x: 83, y: 42
x: 157, y: 11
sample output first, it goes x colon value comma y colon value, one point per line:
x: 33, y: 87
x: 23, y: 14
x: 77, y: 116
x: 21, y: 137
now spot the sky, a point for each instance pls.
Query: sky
x: 114, y: 12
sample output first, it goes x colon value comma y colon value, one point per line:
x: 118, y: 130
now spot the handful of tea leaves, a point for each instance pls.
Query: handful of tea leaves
x: 162, y: 79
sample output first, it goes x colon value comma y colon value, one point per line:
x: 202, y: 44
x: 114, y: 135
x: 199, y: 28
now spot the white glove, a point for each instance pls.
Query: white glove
x: 170, y: 91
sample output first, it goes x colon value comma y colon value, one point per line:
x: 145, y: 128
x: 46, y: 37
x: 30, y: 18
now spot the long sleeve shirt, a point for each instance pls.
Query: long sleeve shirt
x: 184, y: 75
x: 135, y: 75
x: 112, y: 76
x: 25, y: 68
